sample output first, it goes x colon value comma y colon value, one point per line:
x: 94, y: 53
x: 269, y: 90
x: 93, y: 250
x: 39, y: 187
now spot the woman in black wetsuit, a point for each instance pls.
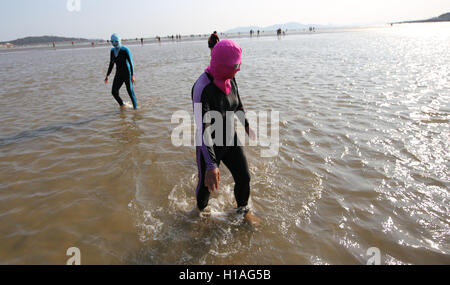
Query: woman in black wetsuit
x: 121, y: 57
x: 213, y: 40
x: 216, y: 91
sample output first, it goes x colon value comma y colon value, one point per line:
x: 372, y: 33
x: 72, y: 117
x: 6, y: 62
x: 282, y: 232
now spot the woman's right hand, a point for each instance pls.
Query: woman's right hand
x: 212, y: 180
x: 106, y: 80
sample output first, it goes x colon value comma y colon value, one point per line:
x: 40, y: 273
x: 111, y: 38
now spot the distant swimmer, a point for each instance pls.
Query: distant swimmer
x: 216, y: 91
x: 279, y: 32
x: 121, y: 57
x: 213, y: 40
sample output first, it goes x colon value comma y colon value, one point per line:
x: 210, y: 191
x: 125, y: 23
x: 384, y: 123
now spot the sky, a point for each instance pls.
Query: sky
x: 98, y: 19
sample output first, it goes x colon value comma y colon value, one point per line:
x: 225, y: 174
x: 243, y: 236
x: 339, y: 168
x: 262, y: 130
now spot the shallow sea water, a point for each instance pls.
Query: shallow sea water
x: 363, y: 160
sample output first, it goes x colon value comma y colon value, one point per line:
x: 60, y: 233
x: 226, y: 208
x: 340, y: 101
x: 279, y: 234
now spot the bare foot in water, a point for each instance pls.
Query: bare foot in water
x: 196, y: 213
x: 252, y: 219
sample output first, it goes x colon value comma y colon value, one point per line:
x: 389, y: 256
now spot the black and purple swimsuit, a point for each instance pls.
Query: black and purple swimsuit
x: 208, y: 97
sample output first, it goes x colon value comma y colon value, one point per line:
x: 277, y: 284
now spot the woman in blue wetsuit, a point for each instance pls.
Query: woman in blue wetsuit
x: 121, y: 57
x: 216, y: 91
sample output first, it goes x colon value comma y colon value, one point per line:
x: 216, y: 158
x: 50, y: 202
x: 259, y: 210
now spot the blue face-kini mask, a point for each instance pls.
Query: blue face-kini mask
x: 117, y: 44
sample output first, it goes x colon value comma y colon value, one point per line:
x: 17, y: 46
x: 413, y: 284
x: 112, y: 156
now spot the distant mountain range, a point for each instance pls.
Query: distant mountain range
x: 288, y: 26
x: 43, y: 40
x: 441, y: 18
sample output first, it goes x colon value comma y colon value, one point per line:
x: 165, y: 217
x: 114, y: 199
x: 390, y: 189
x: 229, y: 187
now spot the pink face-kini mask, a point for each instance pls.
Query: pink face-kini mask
x: 225, y: 63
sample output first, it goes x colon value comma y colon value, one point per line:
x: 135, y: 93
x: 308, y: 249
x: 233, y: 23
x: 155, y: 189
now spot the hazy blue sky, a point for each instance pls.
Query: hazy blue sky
x: 148, y: 18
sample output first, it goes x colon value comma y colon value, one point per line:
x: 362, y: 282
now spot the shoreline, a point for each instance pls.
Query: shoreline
x: 165, y: 40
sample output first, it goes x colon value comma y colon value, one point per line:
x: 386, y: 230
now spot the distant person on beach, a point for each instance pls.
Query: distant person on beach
x: 216, y: 91
x: 121, y: 57
x: 213, y: 40
x: 142, y: 41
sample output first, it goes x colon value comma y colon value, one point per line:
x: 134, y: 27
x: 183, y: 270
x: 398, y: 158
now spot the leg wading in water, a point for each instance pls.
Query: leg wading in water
x: 121, y: 57
x: 216, y: 91
x: 117, y: 84
x: 234, y: 159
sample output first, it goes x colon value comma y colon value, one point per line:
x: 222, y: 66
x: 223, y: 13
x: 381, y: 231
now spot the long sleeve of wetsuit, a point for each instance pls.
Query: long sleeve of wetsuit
x: 111, y: 64
x: 244, y: 120
x: 130, y: 61
x: 207, y: 148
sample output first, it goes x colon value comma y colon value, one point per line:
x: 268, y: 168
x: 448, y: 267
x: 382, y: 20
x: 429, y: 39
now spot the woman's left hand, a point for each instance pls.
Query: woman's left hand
x: 251, y: 133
